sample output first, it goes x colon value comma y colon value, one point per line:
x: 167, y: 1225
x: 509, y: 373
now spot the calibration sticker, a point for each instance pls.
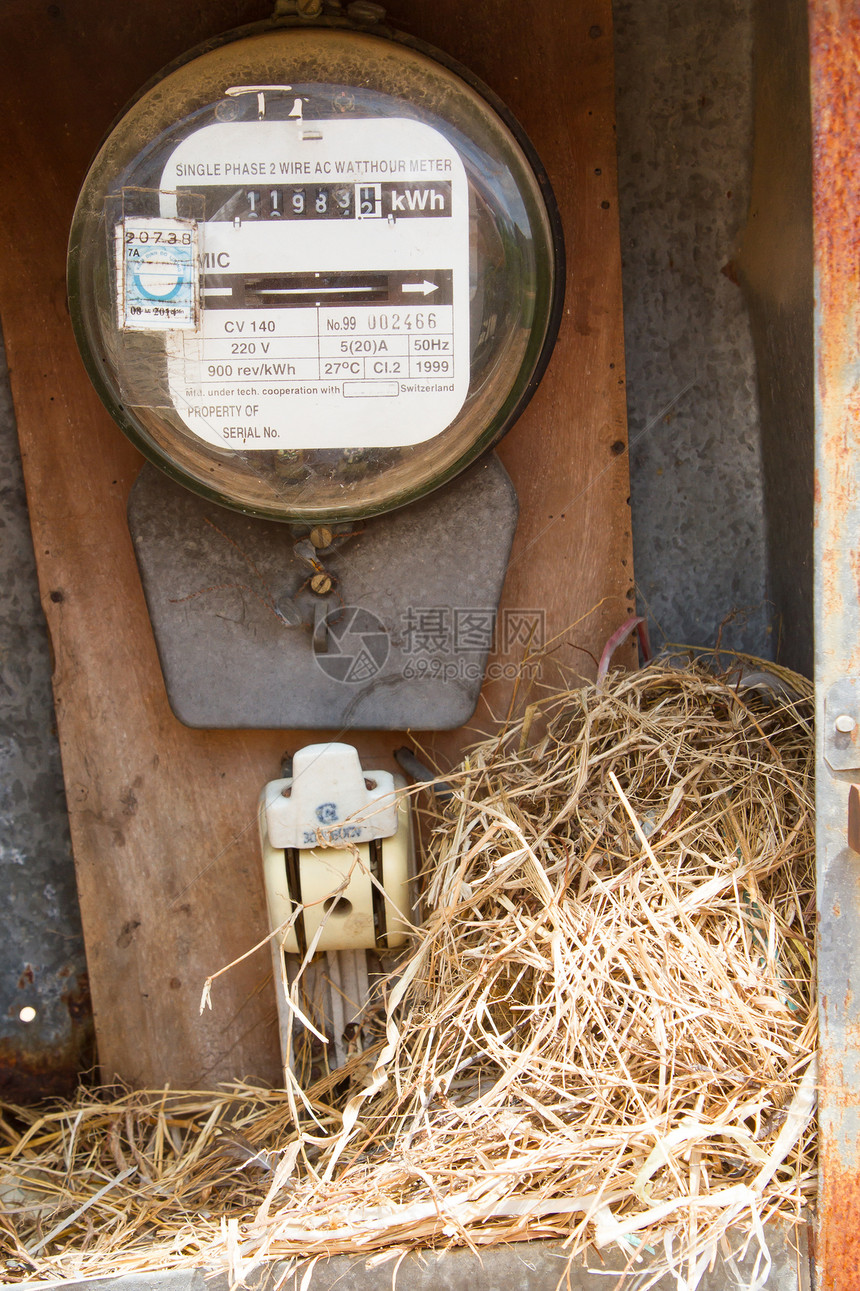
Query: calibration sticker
x: 335, y: 284
x: 157, y: 265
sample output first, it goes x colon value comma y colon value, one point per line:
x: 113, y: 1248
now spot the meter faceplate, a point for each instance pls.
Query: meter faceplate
x: 371, y: 348
x: 313, y: 273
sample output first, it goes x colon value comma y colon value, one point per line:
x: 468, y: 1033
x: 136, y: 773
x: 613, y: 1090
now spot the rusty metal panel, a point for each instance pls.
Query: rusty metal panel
x: 835, y: 68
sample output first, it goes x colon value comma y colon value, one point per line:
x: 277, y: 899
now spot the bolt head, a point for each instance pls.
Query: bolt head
x: 321, y: 537
x: 845, y: 724
x: 321, y: 584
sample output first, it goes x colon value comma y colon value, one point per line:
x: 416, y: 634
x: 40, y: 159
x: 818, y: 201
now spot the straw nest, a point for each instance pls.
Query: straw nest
x: 605, y: 1032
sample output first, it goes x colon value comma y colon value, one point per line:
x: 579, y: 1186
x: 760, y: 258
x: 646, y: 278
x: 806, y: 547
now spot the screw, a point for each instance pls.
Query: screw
x: 845, y: 724
x: 321, y: 537
x: 309, y: 8
x: 321, y: 584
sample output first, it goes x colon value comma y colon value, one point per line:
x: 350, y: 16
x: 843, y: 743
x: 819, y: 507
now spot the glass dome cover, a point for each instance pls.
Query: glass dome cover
x: 315, y: 272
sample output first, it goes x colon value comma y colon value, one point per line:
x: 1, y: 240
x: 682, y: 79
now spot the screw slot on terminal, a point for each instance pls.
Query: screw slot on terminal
x: 338, y: 906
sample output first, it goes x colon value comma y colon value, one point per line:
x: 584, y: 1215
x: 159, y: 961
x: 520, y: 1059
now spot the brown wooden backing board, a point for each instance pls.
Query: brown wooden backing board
x: 163, y: 817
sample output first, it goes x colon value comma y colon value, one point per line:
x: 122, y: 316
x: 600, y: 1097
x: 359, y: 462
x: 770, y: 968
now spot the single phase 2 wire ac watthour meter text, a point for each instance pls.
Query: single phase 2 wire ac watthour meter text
x: 314, y: 273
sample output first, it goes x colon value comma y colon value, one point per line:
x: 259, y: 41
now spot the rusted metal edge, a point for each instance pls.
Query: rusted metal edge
x: 835, y: 78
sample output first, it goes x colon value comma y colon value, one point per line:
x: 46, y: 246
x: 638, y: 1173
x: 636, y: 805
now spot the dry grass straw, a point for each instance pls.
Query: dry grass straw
x: 605, y: 1033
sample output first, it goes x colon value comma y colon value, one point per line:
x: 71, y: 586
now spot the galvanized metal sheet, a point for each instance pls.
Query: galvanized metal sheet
x: 46, y: 1026
x: 514, y: 1266
x: 774, y: 267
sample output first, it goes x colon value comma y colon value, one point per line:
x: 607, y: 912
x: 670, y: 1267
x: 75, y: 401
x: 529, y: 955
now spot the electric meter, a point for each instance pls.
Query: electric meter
x: 315, y: 272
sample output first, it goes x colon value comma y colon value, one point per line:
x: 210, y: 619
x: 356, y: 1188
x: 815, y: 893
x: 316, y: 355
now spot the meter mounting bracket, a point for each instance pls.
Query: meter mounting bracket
x: 245, y: 640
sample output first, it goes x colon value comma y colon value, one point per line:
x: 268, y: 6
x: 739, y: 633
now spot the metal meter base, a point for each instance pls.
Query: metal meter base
x: 382, y: 624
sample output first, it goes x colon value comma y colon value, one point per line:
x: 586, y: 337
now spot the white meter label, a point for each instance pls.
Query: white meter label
x: 157, y: 264
x: 334, y: 284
